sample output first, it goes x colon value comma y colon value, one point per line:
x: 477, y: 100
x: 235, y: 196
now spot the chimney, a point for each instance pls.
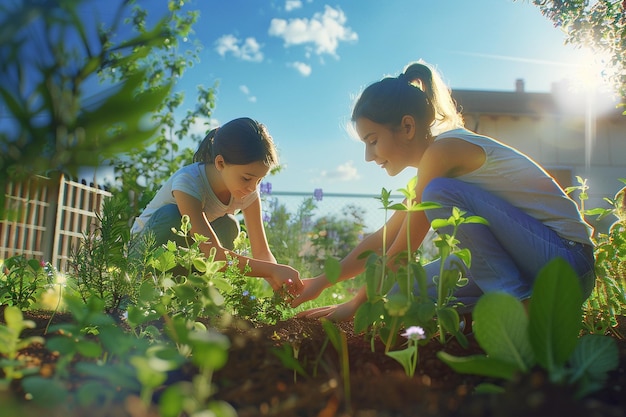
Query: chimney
x: 519, y: 85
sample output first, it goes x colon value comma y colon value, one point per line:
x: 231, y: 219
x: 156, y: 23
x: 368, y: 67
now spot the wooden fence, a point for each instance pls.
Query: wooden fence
x: 45, y: 218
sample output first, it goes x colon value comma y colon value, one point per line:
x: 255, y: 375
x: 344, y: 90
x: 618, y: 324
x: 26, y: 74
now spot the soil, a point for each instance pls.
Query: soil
x: 256, y: 383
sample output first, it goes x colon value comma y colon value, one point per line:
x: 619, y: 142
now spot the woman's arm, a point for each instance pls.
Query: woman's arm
x: 276, y: 274
x: 256, y: 232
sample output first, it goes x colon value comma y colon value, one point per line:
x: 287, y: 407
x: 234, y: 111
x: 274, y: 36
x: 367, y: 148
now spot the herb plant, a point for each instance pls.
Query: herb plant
x: 547, y: 337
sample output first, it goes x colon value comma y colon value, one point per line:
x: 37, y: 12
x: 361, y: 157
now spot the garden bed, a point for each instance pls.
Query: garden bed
x: 256, y: 383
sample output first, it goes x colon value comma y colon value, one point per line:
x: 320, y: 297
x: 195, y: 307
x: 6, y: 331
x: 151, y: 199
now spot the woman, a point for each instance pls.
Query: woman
x: 411, y: 121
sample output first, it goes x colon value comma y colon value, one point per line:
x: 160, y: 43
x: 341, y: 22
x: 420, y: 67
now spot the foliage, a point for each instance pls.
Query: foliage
x: 252, y: 299
x: 548, y: 337
x: 140, y: 172
x: 48, y: 58
x: 391, y: 303
x: 11, y: 343
x: 286, y: 233
x: 22, y: 280
x: 335, y: 237
x: 599, y: 25
x: 99, y: 266
x: 337, y: 338
x: 608, y: 298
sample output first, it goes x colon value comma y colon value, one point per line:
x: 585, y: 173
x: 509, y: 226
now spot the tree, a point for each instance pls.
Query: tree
x: 599, y: 26
x: 140, y: 172
x: 48, y: 58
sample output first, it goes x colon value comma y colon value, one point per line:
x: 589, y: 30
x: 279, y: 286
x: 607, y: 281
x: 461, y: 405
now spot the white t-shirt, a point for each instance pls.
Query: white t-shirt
x: 192, y: 179
x: 517, y: 179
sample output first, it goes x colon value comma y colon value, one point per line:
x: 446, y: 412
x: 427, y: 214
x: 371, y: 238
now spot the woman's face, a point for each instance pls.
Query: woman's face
x: 383, y: 145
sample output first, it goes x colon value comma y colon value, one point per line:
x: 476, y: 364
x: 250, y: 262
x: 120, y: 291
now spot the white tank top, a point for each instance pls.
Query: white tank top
x: 516, y: 178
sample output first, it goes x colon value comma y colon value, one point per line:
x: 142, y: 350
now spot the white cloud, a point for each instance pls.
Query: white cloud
x: 292, y: 5
x: 344, y: 172
x: 323, y: 30
x: 247, y: 50
x: 202, y: 125
x: 302, y: 68
x: 246, y: 91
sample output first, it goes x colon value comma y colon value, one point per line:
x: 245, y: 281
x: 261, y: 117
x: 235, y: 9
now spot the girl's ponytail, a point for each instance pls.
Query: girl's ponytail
x: 204, y: 153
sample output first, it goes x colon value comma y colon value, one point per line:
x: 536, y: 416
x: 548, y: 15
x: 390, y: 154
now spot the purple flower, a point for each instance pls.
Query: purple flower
x: 266, y: 188
x: 318, y: 194
x: 266, y: 217
x: 245, y: 293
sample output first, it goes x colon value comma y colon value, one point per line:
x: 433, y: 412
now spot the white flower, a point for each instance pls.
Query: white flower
x: 414, y: 333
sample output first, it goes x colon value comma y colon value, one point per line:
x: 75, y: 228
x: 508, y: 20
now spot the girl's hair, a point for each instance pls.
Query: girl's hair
x: 240, y: 142
x: 418, y: 91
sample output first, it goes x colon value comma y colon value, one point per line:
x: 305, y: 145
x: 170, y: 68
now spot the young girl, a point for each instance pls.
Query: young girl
x: 228, y: 166
x: 411, y: 121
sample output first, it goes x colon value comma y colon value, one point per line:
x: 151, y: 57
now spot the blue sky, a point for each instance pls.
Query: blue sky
x: 297, y: 65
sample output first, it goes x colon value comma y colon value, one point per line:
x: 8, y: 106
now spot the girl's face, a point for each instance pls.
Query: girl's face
x: 241, y: 180
x: 383, y: 145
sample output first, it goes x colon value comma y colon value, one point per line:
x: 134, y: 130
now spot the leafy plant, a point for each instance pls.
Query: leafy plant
x: 21, y: 281
x: 99, y: 265
x: 338, y: 339
x: 387, y: 311
x: 11, y: 343
x: 608, y: 299
x: 53, y: 129
x: 547, y: 337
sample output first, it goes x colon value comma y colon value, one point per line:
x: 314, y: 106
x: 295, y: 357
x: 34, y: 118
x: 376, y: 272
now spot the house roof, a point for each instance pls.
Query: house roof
x: 520, y: 103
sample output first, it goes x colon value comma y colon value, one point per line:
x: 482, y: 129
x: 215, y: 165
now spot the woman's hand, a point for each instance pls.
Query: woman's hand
x: 339, y: 312
x: 311, y: 289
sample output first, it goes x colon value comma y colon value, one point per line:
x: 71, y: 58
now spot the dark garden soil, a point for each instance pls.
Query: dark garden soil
x: 256, y: 383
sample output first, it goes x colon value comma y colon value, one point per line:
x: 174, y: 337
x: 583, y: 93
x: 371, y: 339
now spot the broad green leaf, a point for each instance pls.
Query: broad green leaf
x: 332, y: 269
x: 210, y: 349
x: 89, y: 349
x: 479, y: 365
x: 555, y: 313
x: 45, y: 392
x: 449, y: 319
x: 171, y: 401
x: 595, y: 355
x: 501, y: 329
x: 397, y: 305
x: 366, y: 314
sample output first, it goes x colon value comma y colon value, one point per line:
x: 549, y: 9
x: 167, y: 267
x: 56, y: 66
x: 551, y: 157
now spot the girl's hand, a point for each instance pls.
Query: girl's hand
x: 284, y: 276
x: 312, y: 288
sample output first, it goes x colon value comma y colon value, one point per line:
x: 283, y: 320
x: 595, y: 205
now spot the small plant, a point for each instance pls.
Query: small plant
x: 252, y: 299
x: 547, y: 337
x: 338, y: 339
x: 21, y: 281
x: 387, y: 311
x: 99, y: 264
x: 11, y: 343
x: 608, y: 298
x: 409, y: 357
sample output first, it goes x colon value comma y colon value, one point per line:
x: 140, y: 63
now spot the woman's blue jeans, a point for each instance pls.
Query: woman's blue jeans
x: 167, y: 217
x: 508, y: 253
